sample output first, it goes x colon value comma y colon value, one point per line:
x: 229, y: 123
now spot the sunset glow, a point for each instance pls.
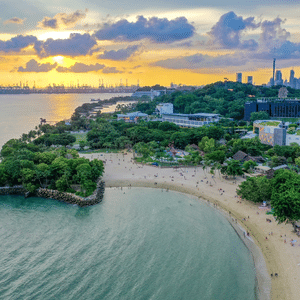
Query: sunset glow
x: 190, y: 44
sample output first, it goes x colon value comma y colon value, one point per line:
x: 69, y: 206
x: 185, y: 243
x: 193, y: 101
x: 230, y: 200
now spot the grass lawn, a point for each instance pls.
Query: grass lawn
x: 80, y: 137
x: 270, y: 123
x: 102, y: 151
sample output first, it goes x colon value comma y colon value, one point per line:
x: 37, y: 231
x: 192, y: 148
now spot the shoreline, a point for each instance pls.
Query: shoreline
x: 278, y: 256
x: 263, y: 281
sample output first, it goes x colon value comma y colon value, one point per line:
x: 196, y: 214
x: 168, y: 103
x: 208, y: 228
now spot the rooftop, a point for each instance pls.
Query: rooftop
x: 194, y: 115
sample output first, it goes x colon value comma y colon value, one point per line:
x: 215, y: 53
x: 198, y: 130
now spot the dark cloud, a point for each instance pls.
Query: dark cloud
x: 76, y: 45
x: 200, y: 61
x: 109, y: 70
x: 48, y: 23
x: 62, y: 20
x: 155, y: 29
x: 81, y: 68
x: 121, y: 54
x: 287, y: 50
x: 226, y: 33
x: 16, y: 44
x: 34, y: 66
x: 14, y: 20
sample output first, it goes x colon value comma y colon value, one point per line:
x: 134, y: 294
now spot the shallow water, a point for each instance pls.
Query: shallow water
x: 136, y: 244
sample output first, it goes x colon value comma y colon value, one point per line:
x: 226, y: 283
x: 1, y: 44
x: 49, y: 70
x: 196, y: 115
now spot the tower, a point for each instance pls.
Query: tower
x: 274, y: 61
x: 239, y: 77
x: 250, y: 79
x: 278, y: 78
x: 292, y: 76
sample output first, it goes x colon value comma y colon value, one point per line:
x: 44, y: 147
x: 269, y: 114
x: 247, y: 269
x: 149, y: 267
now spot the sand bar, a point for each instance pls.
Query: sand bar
x: 275, y: 255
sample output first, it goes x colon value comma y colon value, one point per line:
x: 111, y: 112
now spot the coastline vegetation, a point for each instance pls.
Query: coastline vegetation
x: 44, y: 157
x: 35, y: 165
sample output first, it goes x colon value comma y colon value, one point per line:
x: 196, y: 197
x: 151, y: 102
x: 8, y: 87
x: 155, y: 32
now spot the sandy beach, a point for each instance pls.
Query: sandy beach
x: 269, y: 242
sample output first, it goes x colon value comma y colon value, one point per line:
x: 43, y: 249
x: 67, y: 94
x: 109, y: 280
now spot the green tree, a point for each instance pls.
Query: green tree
x: 3, y: 178
x: 82, y: 144
x: 209, y: 146
x: 233, y: 168
x: 285, y: 199
x: 255, y: 189
x: 62, y: 184
x: 297, y: 161
x: 216, y: 156
x: 249, y: 165
x: 260, y: 115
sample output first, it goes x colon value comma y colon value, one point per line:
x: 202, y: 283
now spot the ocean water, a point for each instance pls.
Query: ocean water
x: 21, y: 113
x: 137, y: 244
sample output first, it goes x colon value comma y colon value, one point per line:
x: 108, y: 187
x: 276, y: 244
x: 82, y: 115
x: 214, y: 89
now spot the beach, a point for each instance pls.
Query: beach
x: 269, y: 242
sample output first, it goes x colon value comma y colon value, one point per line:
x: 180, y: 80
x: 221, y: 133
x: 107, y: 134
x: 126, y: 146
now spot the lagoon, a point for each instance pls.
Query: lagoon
x: 137, y: 244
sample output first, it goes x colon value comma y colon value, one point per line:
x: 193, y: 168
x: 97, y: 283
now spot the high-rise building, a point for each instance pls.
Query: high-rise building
x: 239, y: 77
x: 278, y: 75
x: 250, y: 79
x: 278, y: 78
x: 292, y: 77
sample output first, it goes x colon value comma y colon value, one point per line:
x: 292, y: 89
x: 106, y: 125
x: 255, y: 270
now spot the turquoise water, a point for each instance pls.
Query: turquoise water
x: 136, y: 244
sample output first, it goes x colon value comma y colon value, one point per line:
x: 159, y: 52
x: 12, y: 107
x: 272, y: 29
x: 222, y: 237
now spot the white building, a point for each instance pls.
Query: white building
x: 191, y: 120
x: 165, y: 108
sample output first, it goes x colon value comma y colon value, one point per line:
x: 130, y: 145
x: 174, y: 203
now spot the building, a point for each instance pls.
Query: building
x: 292, y: 77
x: 132, y: 117
x: 149, y: 92
x: 271, y: 132
x: 278, y: 78
x: 287, y: 108
x: 250, y: 79
x: 165, y: 108
x: 191, y: 120
x: 239, y: 77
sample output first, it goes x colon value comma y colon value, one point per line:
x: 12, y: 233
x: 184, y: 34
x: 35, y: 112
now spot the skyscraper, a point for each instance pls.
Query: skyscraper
x: 239, y: 77
x: 292, y: 77
x: 278, y: 78
x: 250, y: 79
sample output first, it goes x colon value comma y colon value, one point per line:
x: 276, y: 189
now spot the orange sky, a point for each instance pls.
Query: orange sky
x: 188, y: 46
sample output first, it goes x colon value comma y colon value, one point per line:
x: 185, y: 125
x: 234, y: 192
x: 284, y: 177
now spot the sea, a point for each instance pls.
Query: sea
x: 137, y: 244
x: 21, y: 113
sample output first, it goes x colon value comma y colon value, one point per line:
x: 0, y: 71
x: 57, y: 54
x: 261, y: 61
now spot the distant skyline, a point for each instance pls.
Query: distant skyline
x: 155, y: 42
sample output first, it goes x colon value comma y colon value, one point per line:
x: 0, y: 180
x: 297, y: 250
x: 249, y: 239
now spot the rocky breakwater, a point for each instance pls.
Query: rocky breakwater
x: 95, y: 198
x: 13, y: 190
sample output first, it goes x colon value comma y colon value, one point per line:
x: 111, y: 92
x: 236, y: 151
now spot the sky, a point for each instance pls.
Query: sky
x: 154, y: 42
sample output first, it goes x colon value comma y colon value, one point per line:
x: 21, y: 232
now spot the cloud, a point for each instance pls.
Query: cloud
x: 34, y: 66
x: 200, y: 61
x: 121, y: 54
x: 273, y: 34
x: 16, y: 44
x: 274, y: 42
x: 109, y: 70
x: 81, y: 68
x: 77, y: 44
x: 14, y: 20
x: 48, y: 23
x: 62, y: 20
x: 226, y: 33
x: 157, y: 30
